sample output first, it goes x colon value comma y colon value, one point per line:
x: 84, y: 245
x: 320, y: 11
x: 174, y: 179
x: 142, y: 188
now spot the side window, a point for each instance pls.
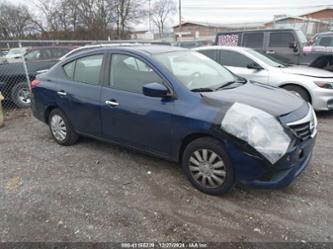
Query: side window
x: 325, y: 41
x: 69, y: 69
x: 33, y: 55
x: 253, y: 40
x: 45, y: 54
x: 87, y: 69
x: 234, y: 59
x: 130, y: 74
x: 213, y: 54
x: 59, y: 52
x: 282, y: 39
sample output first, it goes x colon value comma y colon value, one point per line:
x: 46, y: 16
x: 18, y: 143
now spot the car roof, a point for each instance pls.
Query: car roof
x: 47, y: 47
x: 233, y: 48
x: 148, y: 48
x: 257, y: 30
x: 154, y: 49
x: 330, y: 33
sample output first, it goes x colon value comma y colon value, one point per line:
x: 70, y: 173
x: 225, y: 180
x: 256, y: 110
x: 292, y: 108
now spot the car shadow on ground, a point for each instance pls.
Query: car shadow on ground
x: 238, y: 191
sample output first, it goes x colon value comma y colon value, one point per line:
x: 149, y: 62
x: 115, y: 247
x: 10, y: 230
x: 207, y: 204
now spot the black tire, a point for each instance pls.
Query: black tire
x: 299, y: 91
x: 70, y: 137
x: 212, y: 146
x: 21, y: 96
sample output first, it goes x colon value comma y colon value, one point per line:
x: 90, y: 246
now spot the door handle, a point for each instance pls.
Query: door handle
x: 270, y: 52
x: 111, y: 102
x: 62, y: 93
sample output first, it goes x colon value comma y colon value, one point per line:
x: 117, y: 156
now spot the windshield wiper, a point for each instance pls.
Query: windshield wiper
x: 241, y: 80
x: 203, y: 89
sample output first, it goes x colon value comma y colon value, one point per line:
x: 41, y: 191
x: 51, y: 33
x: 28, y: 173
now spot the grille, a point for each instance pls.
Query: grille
x: 302, y: 131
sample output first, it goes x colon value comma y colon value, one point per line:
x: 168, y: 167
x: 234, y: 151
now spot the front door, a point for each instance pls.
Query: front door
x: 128, y: 116
x: 238, y: 64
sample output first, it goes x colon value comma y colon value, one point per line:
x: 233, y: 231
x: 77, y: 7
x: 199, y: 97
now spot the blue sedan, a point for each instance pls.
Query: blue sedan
x: 182, y: 106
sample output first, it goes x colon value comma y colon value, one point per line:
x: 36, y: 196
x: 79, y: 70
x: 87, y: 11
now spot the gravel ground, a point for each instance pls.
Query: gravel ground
x: 95, y: 191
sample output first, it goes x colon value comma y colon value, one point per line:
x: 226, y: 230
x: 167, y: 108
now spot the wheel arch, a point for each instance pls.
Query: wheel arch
x: 298, y: 85
x: 48, y: 111
x: 190, y: 138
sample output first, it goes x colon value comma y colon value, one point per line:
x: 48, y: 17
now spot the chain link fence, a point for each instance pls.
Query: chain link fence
x: 21, y: 61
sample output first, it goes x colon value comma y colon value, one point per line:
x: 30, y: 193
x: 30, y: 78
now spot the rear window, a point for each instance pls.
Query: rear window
x: 87, y: 69
x: 253, y: 40
x: 281, y: 39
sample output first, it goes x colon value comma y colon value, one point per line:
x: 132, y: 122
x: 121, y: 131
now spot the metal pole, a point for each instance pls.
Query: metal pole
x: 180, y: 20
x: 25, y: 68
x: 149, y: 17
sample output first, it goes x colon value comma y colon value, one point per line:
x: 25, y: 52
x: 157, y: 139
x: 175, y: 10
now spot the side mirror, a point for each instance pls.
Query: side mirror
x: 254, y: 66
x: 155, y: 90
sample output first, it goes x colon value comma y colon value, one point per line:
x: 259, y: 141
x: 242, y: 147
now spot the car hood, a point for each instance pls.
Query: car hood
x: 307, y: 71
x: 275, y: 101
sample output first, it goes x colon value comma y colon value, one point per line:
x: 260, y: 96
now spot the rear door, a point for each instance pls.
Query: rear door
x: 238, y: 64
x: 79, y: 93
x: 279, y: 46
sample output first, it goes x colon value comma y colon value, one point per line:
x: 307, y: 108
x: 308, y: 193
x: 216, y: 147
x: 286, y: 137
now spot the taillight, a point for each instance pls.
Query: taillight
x: 35, y: 83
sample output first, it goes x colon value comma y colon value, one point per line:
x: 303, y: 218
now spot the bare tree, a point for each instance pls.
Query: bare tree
x: 162, y: 10
x: 15, y: 21
x: 128, y: 12
x: 68, y: 19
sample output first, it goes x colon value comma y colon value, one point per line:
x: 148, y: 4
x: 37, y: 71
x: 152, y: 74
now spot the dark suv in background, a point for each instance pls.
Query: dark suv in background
x: 13, y: 81
x: 285, y: 45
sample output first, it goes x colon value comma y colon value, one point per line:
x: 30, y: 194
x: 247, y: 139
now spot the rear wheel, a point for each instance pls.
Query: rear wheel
x: 208, y: 167
x: 21, y: 95
x: 299, y: 91
x: 61, y: 129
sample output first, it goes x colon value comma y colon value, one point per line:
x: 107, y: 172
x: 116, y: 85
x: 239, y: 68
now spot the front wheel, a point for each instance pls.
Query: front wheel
x: 208, y: 167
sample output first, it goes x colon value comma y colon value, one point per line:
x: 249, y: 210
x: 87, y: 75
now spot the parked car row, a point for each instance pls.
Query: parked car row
x: 312, y: 84
x: 182, y: 106
x: 286, y: 45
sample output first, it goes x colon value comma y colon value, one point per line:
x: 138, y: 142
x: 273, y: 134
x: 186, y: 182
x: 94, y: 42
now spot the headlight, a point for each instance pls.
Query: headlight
x: 258, y: 128
x: 323, y: 84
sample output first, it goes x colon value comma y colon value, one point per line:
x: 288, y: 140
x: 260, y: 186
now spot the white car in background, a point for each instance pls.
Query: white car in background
x: 312, y: 84
x: 15, y: 55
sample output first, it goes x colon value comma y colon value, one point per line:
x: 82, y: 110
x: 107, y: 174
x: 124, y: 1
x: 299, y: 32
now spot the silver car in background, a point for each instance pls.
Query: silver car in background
x: 312, y: 84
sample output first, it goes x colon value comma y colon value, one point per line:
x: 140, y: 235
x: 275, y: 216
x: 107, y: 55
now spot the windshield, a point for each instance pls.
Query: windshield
x: 194, y: 70
x: 271, y: 61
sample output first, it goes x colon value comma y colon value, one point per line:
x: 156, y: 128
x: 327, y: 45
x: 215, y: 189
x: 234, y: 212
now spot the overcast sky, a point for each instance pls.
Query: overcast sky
x: 240, y: 11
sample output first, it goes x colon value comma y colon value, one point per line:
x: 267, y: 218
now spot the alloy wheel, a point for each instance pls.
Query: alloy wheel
x: 58, y: 127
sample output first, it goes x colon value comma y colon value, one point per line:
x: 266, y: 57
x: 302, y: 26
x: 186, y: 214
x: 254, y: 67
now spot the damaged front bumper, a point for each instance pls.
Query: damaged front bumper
x: 255, y: 171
